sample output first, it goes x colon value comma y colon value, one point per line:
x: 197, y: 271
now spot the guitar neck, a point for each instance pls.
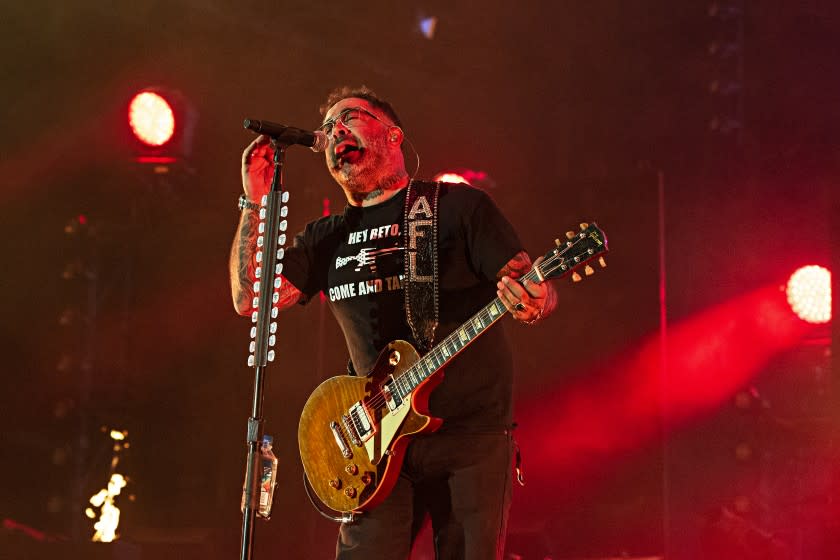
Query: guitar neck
x: 453, y: 344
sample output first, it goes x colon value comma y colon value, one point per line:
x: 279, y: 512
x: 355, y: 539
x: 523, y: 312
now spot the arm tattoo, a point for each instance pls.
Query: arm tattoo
x: 243, y: 264
x: 517, y: 266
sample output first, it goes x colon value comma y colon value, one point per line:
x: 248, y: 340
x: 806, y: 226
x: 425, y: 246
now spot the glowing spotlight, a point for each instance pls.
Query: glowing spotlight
x: 478, y: 179
x: 428, y: 26
x: 151, y: 118
x: 449, y: 177
x: 809, y: 294
x: 161, y: 122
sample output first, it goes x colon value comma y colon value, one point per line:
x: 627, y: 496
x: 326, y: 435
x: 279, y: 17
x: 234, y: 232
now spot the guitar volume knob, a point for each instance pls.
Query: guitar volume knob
x: 350, y: 492
x: 335, y: 483
x: 352, y: 469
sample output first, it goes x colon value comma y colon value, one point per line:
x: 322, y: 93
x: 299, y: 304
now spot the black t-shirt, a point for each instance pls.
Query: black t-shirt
x: 356, y: 259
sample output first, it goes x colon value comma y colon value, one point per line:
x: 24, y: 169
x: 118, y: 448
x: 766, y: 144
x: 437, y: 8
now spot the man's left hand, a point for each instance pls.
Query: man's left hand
x: 527, y: 301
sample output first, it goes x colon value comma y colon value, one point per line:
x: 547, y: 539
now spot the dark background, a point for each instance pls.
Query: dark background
x: 576, y: 110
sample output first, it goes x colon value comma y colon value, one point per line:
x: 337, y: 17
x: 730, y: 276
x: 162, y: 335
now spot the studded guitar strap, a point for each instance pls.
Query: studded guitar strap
x: 420, y: 230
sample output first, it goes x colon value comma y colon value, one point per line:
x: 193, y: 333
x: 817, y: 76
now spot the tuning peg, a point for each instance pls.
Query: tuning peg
x: 575, y: 277
x: 557, y: 242
x: 570, y: 235
x: 602, y: 262
x: 588, y: 270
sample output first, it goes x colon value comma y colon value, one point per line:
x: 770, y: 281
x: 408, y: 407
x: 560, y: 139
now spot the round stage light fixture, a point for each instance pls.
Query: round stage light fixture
x: 151, y: 118
x: 809, y: 293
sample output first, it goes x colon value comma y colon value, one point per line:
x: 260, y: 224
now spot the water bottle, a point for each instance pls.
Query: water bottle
x: 267, y: 474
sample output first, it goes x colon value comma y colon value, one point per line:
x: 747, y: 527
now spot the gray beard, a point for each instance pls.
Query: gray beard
x: 359, y: 179
x: 384, y: 184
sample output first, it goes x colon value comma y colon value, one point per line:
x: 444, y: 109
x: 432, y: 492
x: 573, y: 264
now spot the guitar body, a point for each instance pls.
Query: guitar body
x: 347, y: 476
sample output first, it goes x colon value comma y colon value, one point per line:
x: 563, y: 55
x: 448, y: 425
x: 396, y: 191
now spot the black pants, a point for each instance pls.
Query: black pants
x: 462, y: 481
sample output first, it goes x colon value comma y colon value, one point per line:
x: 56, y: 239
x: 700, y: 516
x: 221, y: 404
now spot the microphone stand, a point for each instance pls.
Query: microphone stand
x: 262, y: 340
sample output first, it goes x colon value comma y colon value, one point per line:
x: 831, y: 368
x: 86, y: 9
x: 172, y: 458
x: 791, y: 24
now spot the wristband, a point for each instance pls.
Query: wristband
x: 245, y: 203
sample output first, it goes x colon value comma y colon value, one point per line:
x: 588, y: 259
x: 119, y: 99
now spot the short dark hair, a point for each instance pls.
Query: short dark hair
x: 361, y: 92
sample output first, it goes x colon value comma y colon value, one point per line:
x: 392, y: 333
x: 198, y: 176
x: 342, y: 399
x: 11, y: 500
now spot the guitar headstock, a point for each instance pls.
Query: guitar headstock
x: 575, y: 252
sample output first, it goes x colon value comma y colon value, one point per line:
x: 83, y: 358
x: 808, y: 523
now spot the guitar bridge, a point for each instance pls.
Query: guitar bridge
x: 351, y: 430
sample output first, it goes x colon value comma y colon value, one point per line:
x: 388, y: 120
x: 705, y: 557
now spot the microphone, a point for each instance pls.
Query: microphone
x: 289, y: 135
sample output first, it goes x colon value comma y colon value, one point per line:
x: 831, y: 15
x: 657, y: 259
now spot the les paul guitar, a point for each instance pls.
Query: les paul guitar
x: 354, y: 430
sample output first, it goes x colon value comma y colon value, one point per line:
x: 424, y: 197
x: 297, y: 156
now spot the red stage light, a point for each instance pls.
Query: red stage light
x: 151, y: 118
x: 478, y: 179
x: 809, y: 294
x: 449, y: 177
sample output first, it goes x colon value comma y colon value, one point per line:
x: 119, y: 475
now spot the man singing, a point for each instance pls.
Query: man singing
x: 380, y: 288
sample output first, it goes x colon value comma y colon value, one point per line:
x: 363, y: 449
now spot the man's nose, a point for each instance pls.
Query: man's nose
x: 339, y: 128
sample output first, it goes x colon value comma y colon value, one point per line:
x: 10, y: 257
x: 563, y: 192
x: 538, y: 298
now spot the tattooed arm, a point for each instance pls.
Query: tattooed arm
x: 243, y: 264
x: 538, y: 299
x: 256, y: 176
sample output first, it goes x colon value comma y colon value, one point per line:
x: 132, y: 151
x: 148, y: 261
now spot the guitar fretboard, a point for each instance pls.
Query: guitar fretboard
x: 563, y: 260
x: 453, y: 344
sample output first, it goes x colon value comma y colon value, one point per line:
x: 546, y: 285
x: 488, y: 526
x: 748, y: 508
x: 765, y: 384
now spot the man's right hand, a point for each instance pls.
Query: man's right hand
x: 257, y: 168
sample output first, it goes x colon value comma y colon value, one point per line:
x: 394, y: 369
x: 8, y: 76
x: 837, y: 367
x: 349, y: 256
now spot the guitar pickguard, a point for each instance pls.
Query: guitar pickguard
x: 389, y: 424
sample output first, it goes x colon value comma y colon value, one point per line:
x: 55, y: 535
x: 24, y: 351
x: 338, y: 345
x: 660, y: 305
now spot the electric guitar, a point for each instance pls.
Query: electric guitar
x: 353, y: 431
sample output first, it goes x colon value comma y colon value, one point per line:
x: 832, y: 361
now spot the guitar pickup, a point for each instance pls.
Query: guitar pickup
x: 361, y: 421
x: 392, y: 398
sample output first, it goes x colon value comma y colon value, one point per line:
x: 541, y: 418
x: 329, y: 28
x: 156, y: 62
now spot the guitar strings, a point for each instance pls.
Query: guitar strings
x: 436, y: 355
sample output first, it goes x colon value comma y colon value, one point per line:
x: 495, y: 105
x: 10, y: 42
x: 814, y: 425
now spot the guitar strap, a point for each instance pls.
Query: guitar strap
x: 420, y: 230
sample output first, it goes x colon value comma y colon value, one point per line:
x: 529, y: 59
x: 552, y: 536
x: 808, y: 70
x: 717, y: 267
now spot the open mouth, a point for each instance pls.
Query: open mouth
x: 345, y: 148
x: 346, y: 152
